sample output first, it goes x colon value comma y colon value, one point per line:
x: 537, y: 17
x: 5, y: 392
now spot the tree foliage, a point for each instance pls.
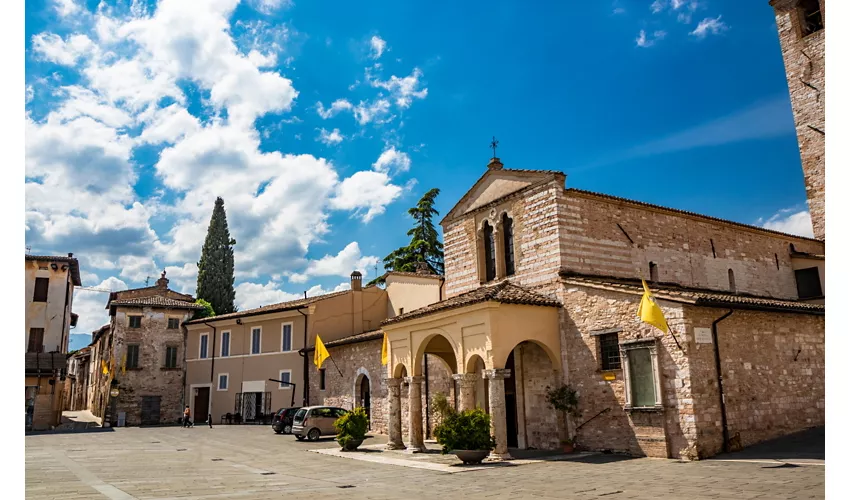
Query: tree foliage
x: 424, y: 246
x: 215, y: 269
x: 206, y: 312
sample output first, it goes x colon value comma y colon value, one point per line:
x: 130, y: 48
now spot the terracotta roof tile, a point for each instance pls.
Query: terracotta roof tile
x: 414, y: 275
x: 272, y: 308
x: 504, y: 292
x: 353, y: 339
x: 155, y: 301
x: 695, y: 296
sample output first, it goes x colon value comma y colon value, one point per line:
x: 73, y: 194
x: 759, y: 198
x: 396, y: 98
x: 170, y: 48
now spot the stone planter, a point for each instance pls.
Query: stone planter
x: 352, y: 445
x: 471, y: 457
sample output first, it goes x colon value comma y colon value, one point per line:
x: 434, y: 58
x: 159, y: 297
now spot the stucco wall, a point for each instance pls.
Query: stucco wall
x: 54, y: 316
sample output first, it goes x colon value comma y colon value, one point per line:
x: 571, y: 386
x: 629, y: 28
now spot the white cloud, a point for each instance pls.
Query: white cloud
x: 619, y: 10
x: 714, y: 26
x: 377, y: 45
x: 369, y: 191
x: 392, y: 159
x: 251, y: 295
x: 336, y: 107
x: 66, y: 7
x: 348, y: 259
x: 269, y: 6
x: 657, y: 6
x: 53, y: 48
x: 262, y: 60
x: 643, y: 41
x: 91, y: 305
x: 377, y: 112
x: 403, y: 90
x: 789, y: 221
x: 330, y: 138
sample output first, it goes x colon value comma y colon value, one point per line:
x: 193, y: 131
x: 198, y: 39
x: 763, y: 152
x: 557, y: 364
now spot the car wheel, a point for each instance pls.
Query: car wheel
x: 276, y: 431
x: 314, y: 434
x: 300, y: 438
x: 287, y: 429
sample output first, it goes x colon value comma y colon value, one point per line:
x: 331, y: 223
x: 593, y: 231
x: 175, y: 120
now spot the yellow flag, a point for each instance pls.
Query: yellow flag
x: 123, y: 364
x: 385, y: 355
x: 321, y: 353
x: 103, y: 367
x: 650, y: 312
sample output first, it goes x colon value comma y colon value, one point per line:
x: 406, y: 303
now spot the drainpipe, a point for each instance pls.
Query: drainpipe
x: 303, y: 353
x: 427, y: 401
x: 720, y: 379
x: 212, y: 365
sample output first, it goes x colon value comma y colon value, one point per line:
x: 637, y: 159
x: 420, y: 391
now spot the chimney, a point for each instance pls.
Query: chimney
x: 356, y: 281
x: 70, y: 254
x: 162, y: 282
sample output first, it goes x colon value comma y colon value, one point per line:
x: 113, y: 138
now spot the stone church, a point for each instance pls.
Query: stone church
x: 541, y: 288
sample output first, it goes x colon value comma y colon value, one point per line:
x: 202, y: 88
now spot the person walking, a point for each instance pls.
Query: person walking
x: 187, y: 414
x: 209, y: 420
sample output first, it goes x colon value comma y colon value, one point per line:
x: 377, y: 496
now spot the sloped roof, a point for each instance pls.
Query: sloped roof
x: 414, y: 275
x: 272, y: 308
x: 352, y: 339
x: 696, y: 296
x: 504, y: 292
x: 155, y: 301
x: 36, y: 363
x: 685, y: 212
x: 74, y: 265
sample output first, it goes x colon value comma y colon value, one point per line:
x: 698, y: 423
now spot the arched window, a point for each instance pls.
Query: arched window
x: 489, y: 253
x: 732, y: 287
x: 508, y: 231
x: 653, y: 271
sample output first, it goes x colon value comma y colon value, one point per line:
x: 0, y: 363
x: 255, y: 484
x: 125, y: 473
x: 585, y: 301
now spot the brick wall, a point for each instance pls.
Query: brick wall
x: 804, y: 69
x: 773, y: 375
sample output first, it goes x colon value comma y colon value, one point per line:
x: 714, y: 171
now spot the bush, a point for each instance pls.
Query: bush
x: 440, y: 407
x: 351, y: 428
x: 466, y: 430
x: 564, y: 399
x: 206, y: 312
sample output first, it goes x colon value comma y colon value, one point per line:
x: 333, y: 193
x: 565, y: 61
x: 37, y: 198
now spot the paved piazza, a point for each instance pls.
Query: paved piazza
x: 252, y: 462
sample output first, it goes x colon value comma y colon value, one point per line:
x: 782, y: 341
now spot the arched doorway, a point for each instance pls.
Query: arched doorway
x: 532, y: 370
x: 365, y: 400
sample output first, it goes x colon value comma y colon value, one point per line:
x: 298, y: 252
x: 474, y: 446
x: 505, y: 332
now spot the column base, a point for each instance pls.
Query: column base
x: 414, y: 449
x: 498, y: 457
x: 393, y: 446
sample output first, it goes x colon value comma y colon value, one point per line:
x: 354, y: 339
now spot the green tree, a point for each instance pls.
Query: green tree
x: 206, y: 312
x: 424, y: 246
x: 215, y: 270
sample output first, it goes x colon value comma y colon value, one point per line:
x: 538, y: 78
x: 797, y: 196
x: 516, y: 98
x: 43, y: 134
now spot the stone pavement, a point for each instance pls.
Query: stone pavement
x: 253, y: 462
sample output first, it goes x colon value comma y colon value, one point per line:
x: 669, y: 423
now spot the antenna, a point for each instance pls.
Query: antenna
x: 376, y: 269
x: 29, y: 249
x: 147, y: 280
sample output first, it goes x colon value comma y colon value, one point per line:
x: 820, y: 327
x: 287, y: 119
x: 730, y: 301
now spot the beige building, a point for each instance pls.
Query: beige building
x: 235, y: 361
x: 49, y: 295
x: 802, y: 38
x: 541, y: 289
x: 140, y: 355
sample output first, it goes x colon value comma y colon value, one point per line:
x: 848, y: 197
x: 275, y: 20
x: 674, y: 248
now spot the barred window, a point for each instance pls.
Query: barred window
x: 609, y: 351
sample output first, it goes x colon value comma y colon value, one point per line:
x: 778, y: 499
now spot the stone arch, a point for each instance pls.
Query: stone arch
x: 440, y: 340
x: 358, y: 379
x: 472, y: 361
x: 400, y: 371
x: 502, y: 357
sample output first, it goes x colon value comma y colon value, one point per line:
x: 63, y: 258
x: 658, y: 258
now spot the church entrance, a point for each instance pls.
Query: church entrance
x: 365, y: 399
x: 510, y: 404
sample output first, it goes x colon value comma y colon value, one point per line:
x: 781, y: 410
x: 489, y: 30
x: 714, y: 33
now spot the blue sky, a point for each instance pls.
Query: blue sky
x: 320, y: 123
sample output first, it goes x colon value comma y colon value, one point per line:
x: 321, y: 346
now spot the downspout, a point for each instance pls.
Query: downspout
x: 717, y: 367
x: 427, y: 401
x: 183, y: 399
x: 212, y: 365
x: 303, y: 353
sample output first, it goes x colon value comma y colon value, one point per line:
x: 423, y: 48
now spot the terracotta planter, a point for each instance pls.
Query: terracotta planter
x: 568, y: 447
x: 471, y: 457
x: 352, y: 445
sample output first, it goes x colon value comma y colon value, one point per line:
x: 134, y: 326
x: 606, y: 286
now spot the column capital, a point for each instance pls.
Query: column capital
x: 497, y: 374
x: 466, y: 377
x: 414, y: 380
x: 394, y: 382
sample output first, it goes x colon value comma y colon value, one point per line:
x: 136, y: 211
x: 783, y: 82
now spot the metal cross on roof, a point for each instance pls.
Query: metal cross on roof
x: 494, y: 144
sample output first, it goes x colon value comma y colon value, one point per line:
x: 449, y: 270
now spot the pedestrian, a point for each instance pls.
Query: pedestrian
x: 209, y: 419
x: 186, y: 416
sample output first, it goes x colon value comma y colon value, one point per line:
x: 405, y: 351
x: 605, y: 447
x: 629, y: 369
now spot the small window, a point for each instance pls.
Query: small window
x: 732, y: 286
x: 286, y: 337
x: 40, y: 293
x: 642, y: 378
x: 225, y: 344
x: 223, y: 379
x: 508, y: 231
x: 809, y: 16
x: 36, y: 341
x: 202, y: 352
x: 776, y: 258
x: 489, y: 253
x: 609, y: 351
x: 400, y: 311
x: 171, y: 357
x: 285, y: 378
x: 653, y: 271
x: 256, y: 339
x: 173, y: 323
x: 808, y: 283
x: 321, y: 379
x: 132, y: 356
x: 135, y: 321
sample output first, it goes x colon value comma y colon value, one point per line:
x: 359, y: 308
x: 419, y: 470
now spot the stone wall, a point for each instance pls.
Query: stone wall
x: 533, y: 374
x: 805, y: 69
x: 773, y: 375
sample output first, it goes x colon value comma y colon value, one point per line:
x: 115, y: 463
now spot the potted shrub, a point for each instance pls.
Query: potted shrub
x: 351, y: 429
x: 466, y: 434
x: 565, y: 400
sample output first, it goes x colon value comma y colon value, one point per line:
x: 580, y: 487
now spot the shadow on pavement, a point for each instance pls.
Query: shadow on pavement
x: 70, y: 431
x: 809, y: 445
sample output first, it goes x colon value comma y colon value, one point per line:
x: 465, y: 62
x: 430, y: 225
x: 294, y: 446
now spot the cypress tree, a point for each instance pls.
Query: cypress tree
x: 424, y: 246
x: 215, y: 270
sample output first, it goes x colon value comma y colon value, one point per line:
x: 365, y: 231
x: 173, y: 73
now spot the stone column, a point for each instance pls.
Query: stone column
x: 394, y: 423
x: 466, y: 390
x: 498, y: 412
x: 415, y: 440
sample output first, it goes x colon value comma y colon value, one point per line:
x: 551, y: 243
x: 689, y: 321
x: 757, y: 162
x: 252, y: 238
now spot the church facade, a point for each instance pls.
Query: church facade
x: 541, y: 289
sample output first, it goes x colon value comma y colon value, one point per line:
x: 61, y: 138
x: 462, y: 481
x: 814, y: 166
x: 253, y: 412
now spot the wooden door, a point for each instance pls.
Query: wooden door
x: 202, y: 404
x: 150, y: 410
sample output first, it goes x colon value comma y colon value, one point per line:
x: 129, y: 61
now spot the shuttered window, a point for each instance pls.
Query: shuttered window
x: 132, y: 356
x: 171, y: 357
x: 36, y: 342
x: 173, y: 323
x: 641, y: 377
x: 40, y: 293
x: 135, y: 321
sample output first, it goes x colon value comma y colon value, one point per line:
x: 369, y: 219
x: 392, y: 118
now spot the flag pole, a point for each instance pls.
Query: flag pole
x: 335, y: 366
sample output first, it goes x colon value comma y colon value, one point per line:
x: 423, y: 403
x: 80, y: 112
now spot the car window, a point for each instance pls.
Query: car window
x: 300, y: 414
x: 340, y: 412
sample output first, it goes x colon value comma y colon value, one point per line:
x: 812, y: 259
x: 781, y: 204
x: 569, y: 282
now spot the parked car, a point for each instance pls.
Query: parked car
x: 282, y: 420
x: 313, y: 422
